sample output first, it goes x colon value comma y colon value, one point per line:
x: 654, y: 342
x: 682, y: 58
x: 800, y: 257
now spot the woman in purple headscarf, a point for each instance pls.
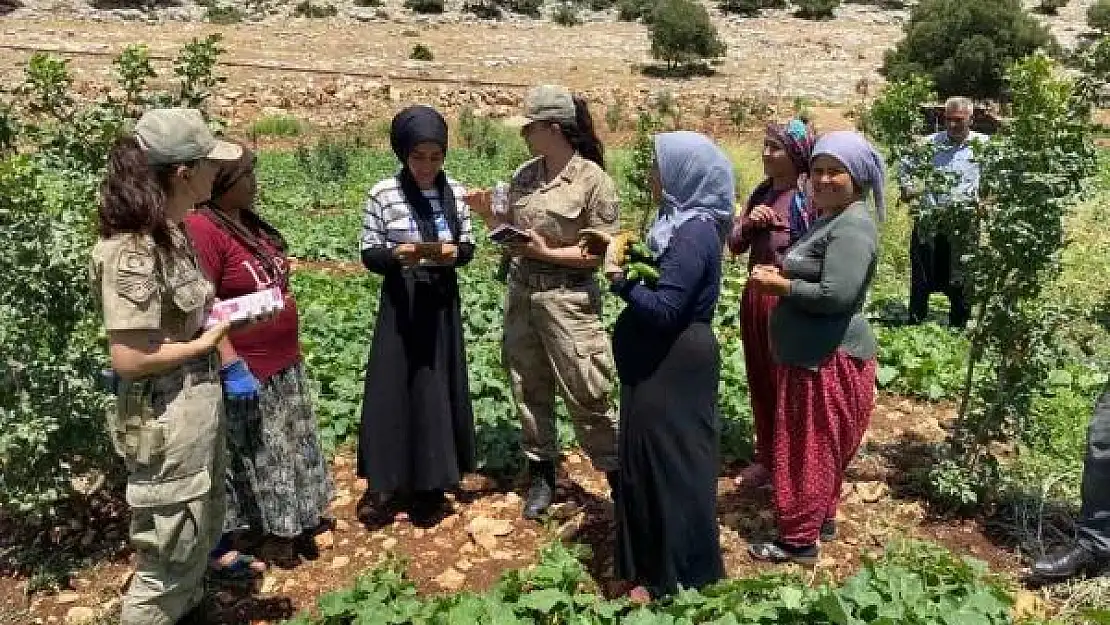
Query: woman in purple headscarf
x: 777, y: 214
x: 669, y: 367
x: 823, y: 345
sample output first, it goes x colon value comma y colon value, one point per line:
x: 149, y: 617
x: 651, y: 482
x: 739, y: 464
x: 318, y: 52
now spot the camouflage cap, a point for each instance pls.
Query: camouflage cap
x: 179, y: 135
x: 546, y: 103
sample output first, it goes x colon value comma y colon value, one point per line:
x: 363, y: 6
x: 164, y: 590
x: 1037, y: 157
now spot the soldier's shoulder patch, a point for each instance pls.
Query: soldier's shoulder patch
x: 135, y: 279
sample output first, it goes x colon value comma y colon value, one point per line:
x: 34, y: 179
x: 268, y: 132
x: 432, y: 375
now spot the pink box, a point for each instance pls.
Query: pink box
x: 240, y: 309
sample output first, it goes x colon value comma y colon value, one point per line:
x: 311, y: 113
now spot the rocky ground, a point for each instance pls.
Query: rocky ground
x: 340, y: 71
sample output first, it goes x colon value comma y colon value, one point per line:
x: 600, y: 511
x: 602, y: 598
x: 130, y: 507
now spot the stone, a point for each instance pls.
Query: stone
x: 67, y: 597
x: 450, y: 580
x: 339, y: 562
x: 389, y: 543
x: 324, y: 540
x: 80, y: 615
x: 485, y: 531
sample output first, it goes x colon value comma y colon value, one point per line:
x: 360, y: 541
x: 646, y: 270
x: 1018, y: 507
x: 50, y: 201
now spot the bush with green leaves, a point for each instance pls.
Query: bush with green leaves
x: 682, y: 35
x: 51, y: 410
x: 309, y: 9
x: 425, y: 6
x: 484, y: 9
x: 530, y: 8
x: 632, y: 10
x: 965, y: 47
x: 895, y: 118
x: 421, y: 52
x: 1098, y: 16
x: 1050, y: 7
x: 280, y: 125
x: 816, y: 9
x: 566, y: 14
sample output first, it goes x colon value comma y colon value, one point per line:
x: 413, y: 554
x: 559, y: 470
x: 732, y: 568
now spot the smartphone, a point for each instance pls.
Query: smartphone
x: 509, y: 235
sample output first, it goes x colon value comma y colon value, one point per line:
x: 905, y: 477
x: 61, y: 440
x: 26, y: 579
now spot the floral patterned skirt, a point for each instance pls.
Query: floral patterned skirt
x: 278, y: 481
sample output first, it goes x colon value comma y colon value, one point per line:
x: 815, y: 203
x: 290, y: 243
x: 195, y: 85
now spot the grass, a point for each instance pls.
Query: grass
x: 276, y: 126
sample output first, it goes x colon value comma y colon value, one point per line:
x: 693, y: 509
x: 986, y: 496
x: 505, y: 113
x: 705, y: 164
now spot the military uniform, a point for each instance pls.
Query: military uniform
x: 554, y: 339
x: 168, y: 428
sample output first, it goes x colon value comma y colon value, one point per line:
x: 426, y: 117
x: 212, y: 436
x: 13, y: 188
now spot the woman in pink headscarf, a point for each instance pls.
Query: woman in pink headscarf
x: 777, y: 214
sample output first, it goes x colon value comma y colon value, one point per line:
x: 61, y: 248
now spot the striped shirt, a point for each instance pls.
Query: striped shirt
x: 387, y: 219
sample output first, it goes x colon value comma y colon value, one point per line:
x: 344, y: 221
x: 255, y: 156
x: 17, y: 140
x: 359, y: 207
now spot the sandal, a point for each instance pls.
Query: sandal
x: 754, y: 475
x: 235, y: 565
x: 778, y: 553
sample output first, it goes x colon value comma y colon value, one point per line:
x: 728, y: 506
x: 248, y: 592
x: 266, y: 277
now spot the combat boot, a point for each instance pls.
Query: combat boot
x: 541, y: 491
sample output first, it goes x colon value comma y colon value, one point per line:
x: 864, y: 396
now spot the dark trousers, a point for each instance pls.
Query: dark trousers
x: 1094, y: 516
x: 931, y: 269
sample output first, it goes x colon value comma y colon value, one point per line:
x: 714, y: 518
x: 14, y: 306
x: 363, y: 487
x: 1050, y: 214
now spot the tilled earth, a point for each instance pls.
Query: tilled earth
x: 484, y: 535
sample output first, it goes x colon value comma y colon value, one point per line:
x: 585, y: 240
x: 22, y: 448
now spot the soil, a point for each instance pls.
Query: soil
x: 879, y: 506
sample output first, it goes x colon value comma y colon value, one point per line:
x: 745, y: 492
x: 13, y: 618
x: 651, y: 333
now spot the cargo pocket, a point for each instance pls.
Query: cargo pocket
x: 169, y: 533
x: 596, y: 369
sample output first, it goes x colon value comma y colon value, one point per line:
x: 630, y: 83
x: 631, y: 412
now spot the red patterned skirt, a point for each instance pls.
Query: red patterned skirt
x: 755, y: 319
x: 820, y: 420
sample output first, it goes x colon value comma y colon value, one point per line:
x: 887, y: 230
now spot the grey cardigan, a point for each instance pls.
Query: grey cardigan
x: 830, y: 269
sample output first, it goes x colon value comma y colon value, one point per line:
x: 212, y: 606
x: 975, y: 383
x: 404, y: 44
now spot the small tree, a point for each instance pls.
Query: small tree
x: 816, y: 9
x: 683, y: 35
x: 894, y: 119
x: 965, y: 47
x: 1098, y: 16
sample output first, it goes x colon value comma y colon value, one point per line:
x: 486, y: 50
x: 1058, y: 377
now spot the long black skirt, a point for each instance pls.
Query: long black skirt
x: 417, y: 423
x: 669, y: 446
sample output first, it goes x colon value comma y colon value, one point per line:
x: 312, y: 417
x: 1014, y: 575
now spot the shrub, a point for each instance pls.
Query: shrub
x: 425, y: 6
x: 223, y: 14
x: 531, y: 8
x: 894, y: 118
x: 965, y: 47
x: 1050, y: 7
x: 632, y: 10
x: 747, y: 8
x: 276, y: 126
x: 566, y: 14
x: 816, y: 9
x: 421, y: 52
x: 51, y: 411
x: 307, y: 9
x: 368, y: 3
x: 601, y: 5
x: 484, y: 9
x: 682, y: 34
x: 1098, y: 16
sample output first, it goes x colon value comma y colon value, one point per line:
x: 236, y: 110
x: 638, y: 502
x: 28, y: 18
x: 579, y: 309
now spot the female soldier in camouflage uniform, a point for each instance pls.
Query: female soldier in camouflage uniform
x: 169, y: 420
x: 554, y: 339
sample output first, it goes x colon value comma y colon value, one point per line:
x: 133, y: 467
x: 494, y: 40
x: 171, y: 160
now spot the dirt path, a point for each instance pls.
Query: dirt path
x: 468, y: 549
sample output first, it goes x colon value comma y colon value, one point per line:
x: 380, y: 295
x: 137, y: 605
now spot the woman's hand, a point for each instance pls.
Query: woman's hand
x: 769, y: 279
x: 480, y: 202
x: 212, y: 336
x: 764, y: 216
x: 536, y: 247
x: 405, y: 253
x: 448, y: 253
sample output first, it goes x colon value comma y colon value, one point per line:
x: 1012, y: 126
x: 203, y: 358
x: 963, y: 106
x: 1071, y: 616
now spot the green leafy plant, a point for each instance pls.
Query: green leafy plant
x: 280, y: 125
x: 895, y: 118
x: 223, y: 14
x: 632, y: 10
x: 965, y: 47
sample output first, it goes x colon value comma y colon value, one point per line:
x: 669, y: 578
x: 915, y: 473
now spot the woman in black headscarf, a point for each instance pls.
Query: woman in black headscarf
x: 417, y: 433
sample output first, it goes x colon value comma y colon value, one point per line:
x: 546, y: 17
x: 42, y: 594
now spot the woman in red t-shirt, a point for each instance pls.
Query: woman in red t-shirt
x: 776, y: 215
x: 279, y: 483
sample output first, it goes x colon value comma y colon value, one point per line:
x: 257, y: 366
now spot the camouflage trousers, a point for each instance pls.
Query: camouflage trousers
x: 170, y: 431
x: 554, y: 342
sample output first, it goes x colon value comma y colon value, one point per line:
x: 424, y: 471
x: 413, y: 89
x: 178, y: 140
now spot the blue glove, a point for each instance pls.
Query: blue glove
x: 239, y: 382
